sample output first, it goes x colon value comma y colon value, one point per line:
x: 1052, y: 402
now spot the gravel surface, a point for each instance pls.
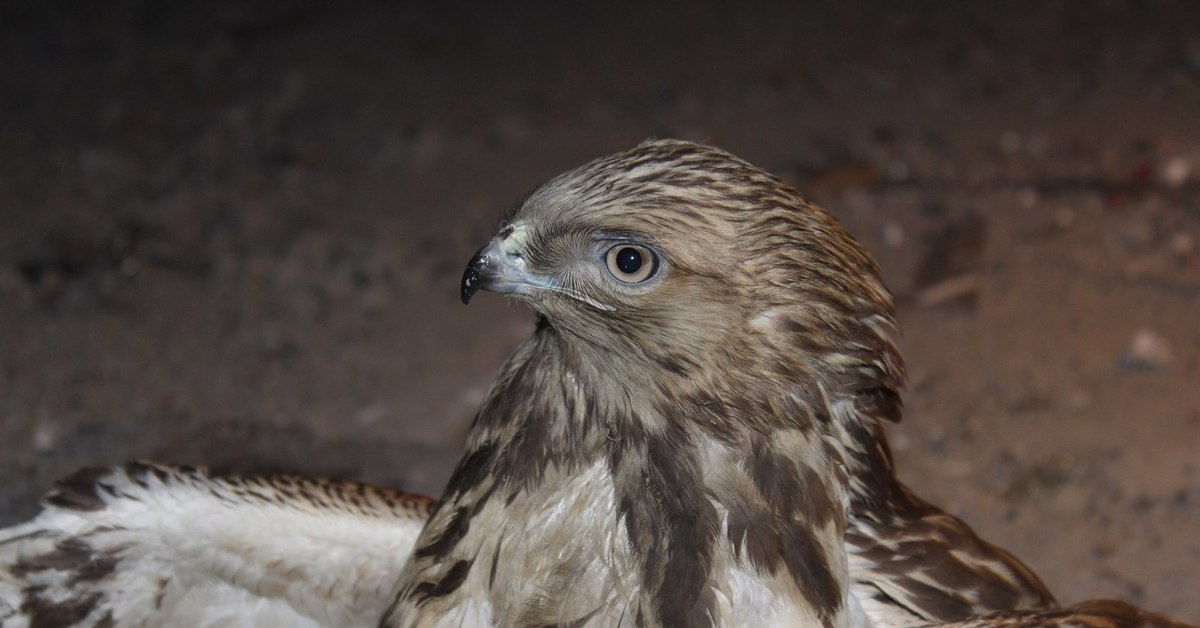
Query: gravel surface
x: 233, y: 233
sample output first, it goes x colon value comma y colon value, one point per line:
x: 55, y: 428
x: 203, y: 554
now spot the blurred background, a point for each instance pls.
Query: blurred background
x: 231, y: 233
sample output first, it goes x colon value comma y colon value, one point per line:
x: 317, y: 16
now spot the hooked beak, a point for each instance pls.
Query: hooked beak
x: 500, y: 267
x: 497, y: 267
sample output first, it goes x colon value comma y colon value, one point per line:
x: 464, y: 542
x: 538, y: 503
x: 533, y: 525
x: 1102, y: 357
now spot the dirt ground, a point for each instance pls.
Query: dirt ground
x: 233, y: 233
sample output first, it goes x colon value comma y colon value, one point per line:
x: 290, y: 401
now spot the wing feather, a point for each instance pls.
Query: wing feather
x: 156, y: 545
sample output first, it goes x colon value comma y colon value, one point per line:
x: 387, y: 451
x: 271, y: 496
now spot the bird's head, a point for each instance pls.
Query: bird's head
x: 684, y: 260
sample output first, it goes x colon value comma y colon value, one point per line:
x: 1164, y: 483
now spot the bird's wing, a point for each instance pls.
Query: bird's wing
x: 149, y: 545
x: 1090, y: 614
x: 926, y: 566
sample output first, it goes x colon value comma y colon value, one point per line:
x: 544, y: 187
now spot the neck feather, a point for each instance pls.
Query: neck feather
x: 703, y: 480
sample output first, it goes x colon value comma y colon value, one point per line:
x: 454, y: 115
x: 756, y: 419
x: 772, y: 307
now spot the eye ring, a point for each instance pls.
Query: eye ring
x: 631, y: 263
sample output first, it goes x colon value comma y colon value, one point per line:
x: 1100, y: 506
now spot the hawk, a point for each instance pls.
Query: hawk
x: 692, y: 437
x: 693, y: 434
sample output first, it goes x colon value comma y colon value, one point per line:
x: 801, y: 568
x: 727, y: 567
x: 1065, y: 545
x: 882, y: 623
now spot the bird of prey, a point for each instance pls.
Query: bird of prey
x: 149, y: 545
x: 692, y: 437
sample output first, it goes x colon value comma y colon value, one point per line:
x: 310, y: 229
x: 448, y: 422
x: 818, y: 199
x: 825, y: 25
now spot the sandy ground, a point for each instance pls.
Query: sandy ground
x: 233, y: 233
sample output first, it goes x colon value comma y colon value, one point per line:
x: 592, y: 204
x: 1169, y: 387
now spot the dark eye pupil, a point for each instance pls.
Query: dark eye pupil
x: 629, y: 260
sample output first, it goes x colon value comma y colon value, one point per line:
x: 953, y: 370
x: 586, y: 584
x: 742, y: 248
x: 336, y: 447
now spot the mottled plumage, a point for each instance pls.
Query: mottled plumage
x: 684, y: 449
x: 1091, y: 614
x: 149, y: 545
x: 693, y: 436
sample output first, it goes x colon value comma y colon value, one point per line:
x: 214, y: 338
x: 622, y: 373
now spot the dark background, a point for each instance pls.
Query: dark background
x: 232, y: 233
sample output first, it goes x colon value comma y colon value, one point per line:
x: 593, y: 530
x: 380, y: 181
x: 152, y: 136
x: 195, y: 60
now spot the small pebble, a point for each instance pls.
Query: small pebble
x: 1027, y: 197
x: 1175, y: 172
x: 1148, y: 350
x: 372, y: 414
x: 1183, y: 244
x: 1010, y: 142
x: 893, y: 235
x: 1064, y: 217
x: 45, y: 435
x: 1076, y: 400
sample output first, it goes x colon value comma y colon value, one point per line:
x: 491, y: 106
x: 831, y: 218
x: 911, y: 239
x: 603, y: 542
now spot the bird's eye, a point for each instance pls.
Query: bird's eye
x: 631, y: 263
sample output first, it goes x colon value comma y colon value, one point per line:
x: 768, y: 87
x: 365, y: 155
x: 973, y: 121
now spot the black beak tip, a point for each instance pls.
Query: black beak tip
x: 470, y: 284
x: 472, y: 279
